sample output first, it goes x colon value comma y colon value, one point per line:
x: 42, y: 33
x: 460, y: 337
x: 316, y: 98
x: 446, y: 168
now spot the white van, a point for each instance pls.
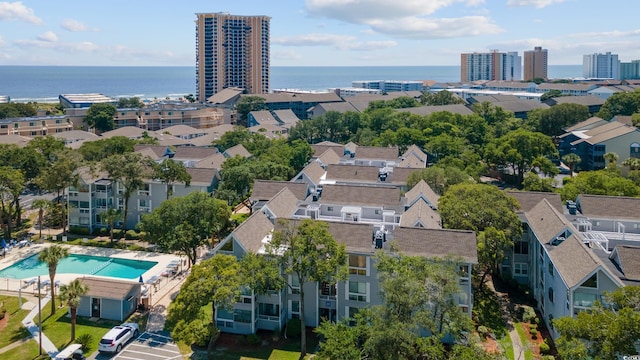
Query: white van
x: 71, y: 352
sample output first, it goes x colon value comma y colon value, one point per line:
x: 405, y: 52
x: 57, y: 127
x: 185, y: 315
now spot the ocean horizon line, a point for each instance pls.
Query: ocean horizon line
x: 273, y: 66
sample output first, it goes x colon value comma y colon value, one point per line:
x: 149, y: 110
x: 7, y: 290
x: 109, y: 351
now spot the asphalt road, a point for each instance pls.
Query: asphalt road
x: 27, y: 199
x: 148, y: 346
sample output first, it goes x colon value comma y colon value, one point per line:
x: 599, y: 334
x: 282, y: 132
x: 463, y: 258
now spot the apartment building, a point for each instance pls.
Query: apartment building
x: 601, y: 66
x: 232, y: 51
x: 630, y: 70
x: 362, y: 239
x: 536, y: 63
x: 36, y: 125
x: 570, y: 261
x: 493, y: 65
x: 388, y: 85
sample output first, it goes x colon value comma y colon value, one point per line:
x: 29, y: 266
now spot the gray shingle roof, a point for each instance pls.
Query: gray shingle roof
x: 427, y: 110
x: 108, y: 288
x: 545, y: 221
x: 252, y: 231
x: 420, y: 212
x: 573, y: 260
x: 361, y: 195
x: 239, y: 150
x: 529, y: 199
x: 283, y: 204
x: 437, y: 243
x: 609, y: 207
x: 330, y: 156
x: 200, y: 176
x: 422, y: 189
x: 267, y: 189
x: 356, y: 237
x: 314, y: 172
x: 629, y: 261
x: 320, y: 148
x: 352, y: 172
x: 377, y: 153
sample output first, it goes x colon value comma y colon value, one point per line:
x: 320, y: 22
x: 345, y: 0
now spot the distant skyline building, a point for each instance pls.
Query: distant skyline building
x: 232, y: 51
x: 601, y: 66
x: 536, y: 63
x: 493, y: 65
x: 630, y: 70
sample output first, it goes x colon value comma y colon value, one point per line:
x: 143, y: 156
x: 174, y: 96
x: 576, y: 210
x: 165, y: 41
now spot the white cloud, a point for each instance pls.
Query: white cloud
x: 535, y: 3
x: 363, y: 11
x: 74, y: 25
x: 424, y: 28
x: 2, y: 42
x: 16, y: 11
x: 606, y: 34
x: 368, y: 45
x: 49, y: 36
x: 314, y: 39
x: 85, y: 46
x: 286, y: 54
x: 405, y: 19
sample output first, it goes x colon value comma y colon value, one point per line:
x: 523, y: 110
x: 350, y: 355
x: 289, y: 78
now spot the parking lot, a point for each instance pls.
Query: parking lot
x: 148, y: 346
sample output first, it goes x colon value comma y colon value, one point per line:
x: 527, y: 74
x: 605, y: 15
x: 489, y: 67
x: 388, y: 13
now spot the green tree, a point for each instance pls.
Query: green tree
x: 48, y: 146
x: 439, y: 178
x: 600, y: 182
x: 18, y: 110
x: 533, y: 182
x: 51, y: 256
x: 621, y: 103
x: 70, y: 295
x: 518, y: 149
x: 11, y: 184
x: 111, y: 216
x: 443, y: 97
x: 612, y: 161
x: 190, y: 98
x: 27, y: 159
x: 307, y: 250
x: 42, y: 205
x: 464, y: 206
x: 553, y: 120
x: 550, y: 95
x: 571, y: 160
x: 602, y: 333
x: 215, y: 281
x: 247, y: 104
x: 127, y: 170
x: 185, y: 223
x: 103, y: 148
x: 100, y: 116
x: 169, y: 172
x: 130, y: 103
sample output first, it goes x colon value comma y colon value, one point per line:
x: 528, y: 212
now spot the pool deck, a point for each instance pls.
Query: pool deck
x: 17, y: 254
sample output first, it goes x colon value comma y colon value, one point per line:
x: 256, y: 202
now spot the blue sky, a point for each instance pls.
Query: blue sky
x: 318, y: 32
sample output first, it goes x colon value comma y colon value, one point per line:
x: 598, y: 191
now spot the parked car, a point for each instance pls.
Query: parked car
x: 118, y: 337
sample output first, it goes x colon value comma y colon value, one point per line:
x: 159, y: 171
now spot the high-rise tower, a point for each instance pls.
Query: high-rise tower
x: 601, y: 66
x: 535, y: 64
x: 231, y: 51
x: 493, y: 65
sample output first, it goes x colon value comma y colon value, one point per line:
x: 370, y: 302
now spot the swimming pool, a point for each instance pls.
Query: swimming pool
x: 80, y: 264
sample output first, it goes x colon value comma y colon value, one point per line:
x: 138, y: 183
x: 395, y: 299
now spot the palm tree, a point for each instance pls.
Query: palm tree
x: 70, y: 295
x: 110, y: 217
x: 572, y: 160
x: 612, y: 160
x: 52, y: 255
x: 41, y: 205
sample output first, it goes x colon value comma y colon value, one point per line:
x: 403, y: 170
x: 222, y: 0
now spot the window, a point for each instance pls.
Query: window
x: 550, y: 268
x: 120, y: 203
x: 295, y: 309
x: 591, y: 282
x: 377, y: 212
x: 228, y: 246
x: 463, y: 271
x: 357, y: 291
x: 357, y: 264
x: 351, y: 314
x: 84, y: 221
x: 144, y: 205
x: 521, y: 247
x: 269, y: 310
x: 520, y: 269
x: 330, y: 208
x: 144, y: 190
x: 242, y: 316
x: 295, y: 284
x: 328, y: 290
x: 551, y: 294
x: 84, y: 204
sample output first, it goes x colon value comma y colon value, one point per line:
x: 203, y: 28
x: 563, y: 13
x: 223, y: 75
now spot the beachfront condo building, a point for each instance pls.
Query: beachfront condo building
x: 231, y: 51
x: 630, y: 70
x: 601, y: 66
x: 535, y: 64
x: 493, y: 65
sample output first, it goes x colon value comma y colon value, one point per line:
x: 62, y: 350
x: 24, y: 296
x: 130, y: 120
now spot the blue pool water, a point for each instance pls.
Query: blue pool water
x: 79, y: 264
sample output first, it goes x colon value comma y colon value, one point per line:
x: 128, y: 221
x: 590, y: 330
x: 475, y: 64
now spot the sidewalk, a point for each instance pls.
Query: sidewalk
x: 32, y: 326
x: 161, y: 300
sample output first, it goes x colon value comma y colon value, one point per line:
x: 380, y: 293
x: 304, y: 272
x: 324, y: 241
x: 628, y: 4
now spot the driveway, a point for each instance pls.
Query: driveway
x: 149, y: 346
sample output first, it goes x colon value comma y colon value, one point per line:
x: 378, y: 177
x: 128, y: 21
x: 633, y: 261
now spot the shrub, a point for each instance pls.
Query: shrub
x: 548, y: 357
x: 534, y: 333
x: 483, y: 331
x: 131, y: 235
x: 85, y: 340
x: 545, y: 349
x: 117, y: 233
x: 253, y: 339
x: 78, y: 230
x: 293, y: 328
x: 528, y: 314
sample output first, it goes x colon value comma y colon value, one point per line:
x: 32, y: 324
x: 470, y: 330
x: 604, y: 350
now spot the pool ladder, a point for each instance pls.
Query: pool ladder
x: 100, y: 267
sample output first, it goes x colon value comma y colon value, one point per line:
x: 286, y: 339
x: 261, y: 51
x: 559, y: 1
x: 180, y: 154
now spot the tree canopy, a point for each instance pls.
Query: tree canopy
x: 130, y: 103
x: 599, y: 182
x: 100, y: 116
x: 554, y: 120
x: 18, y: 110
x: 443, y: 97
x: 247, y: 104
x: 185, y: 223
x: 620, y: 103
x: 307, y: 251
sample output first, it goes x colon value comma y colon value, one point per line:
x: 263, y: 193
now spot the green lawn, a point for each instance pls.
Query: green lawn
x: 507, y: 346
x: 26, y: 351
x: 58, y: 328
x: 528, y: 354
x: 14, y: 330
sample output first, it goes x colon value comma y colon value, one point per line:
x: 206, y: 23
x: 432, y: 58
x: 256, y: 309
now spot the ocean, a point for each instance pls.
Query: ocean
x: 45, y: 83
